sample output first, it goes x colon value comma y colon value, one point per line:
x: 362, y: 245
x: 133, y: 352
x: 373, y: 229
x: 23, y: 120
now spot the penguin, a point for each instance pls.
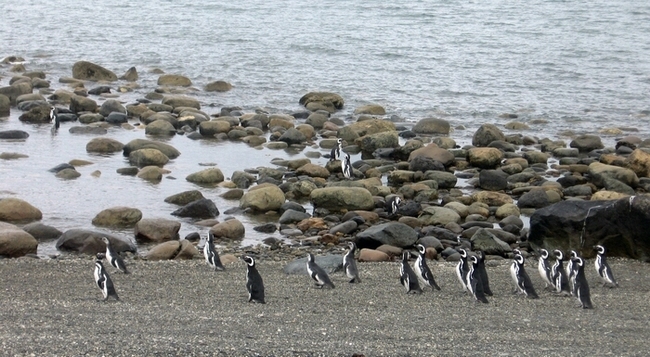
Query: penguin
x: 346, y: 167
x: 482, y: 272
x: 113, y: 258
x: 407, y: 276
x: 603, y: 269
x: 544, y: 268
x: 558, y: 272
x: 211, y: 255
x: 254, y: 282
x: 392, y: 204
x: 582, y: 287
x: 462, y: 269
x: 54, y: 117
x: 522, y: 281
x: 318, y: 274
x: 422, y: 269
x: 474, y: 283
x: 103, y: 280
x: 350, y: 265
x: 570, y: 271
x: 335, y: 154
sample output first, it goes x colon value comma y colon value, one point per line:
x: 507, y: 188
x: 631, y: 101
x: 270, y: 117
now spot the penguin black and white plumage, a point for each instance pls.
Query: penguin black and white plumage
x: 392, y: 204
x: 407, y: 276
x: 211, y: 255
x: 482, y: 272
x: 350, y: 265
x: 474, y: 283
x: 581, y: 285
x: 522, y: 281
x: 544, y: 268
x: 254, y: 282
x: 103, y: 280
x: 422, y: 269
x: 346, y: 167
x: 603, y: 269
x: 318, y: 274
x: 462, y: 268
x: 560, y: 279
x: 113, y: 258
x: 571, y: 271
x: 54, y: 117
x: 335, y: 154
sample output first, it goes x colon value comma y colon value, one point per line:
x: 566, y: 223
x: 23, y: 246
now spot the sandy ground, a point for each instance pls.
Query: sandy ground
x: 53, y: 308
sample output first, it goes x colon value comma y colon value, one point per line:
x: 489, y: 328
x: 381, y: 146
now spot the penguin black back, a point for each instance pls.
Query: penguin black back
x: 482, y: 272
x: 581, y: 285
x: 350, y: 264
x: 392, y: 204
x: 254, y: 282
x: 317, y: 273
x: 211, y: 254
x: 103, y: 281
x: 113, y: 258
x: 346, y: 167
x: 474, y: 283
x: 560, y: 279
x: 524, y: 284
x: 335, y: 153
x: 544, y: 268
x: 603, y: 268
x: 422, y: 268
x: 407, y: 276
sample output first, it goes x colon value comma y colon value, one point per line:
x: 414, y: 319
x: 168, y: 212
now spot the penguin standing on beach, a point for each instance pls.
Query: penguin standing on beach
x: 103, y: 280
x: 482, y: 272
x: 522, y: 281
x: 318, y: 274
x: 571, y: 271
x: 581, y: 285
x: 254, y: 282
x: 113, y: 258
x: 560, y: 279
x: 603, y: 269
x: 422, y: 269
x: 350, y: 265
x: 346, y: 167
x: 211, y: 255
x: 474, y: 283
x: 544, y: 268
x: 462, y: 268
x: 407, y: 275
x: 335, y: 154
x: 54, y: 117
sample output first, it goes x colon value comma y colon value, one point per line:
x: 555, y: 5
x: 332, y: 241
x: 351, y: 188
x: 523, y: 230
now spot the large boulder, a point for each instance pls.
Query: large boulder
x: 489, y: 243
x: 365, y: 127
x: 5, y: 105
x: 439, y: 216
x: 82, y: 104
x: 620, y: 225
x: 370, y: 143
x: 203, y: 208
x: 434, y: 152
x: 160, y: 127
x: 432, y: 126
x: 322, y: 100
x: 484, y: 157
x: 157, y: 230
x: 206, y: 177
x: 104, y: 145
x: 118, y: 217
x: 639, y: 162
x: 602, y: 176
x: 486, y: 134
x: 263, y: 198
x: 174, y: 80
x: 14, y: 134
x: 342, y: 198
x: 148, y: 157
x: 181, y: 101
x: 88, y: 71
x: 293, y: 136
x: 17, y: 210
x: 15, y: 242
x: 137, y: 144
x: 392, y: 233
x: 39, y: 113
x: 184, y: 197
x: 587, y: 143
x: 41, y: 231
x: 90, y: 242
x: 182, y: 249
x: 329, y: 263
x: 230, y: 229
x: 218, y: 86
x: 111, y: 105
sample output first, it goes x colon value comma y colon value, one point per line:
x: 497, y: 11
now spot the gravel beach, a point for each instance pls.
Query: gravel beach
x: 53, y: 308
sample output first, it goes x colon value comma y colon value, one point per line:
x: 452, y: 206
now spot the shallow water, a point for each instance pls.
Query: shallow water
x: 582, y: 67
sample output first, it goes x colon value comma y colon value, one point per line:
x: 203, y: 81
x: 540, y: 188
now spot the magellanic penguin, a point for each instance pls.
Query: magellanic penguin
x: 392, y: 204
x: 603, y: 269
x: 254, y: 283
x: 462, y: 268
x: 103, y: 280
x: 335, y: 154
x: 582, y: 287
x: 54, y: 117
x: 318, y: 274
x: 482, y: 272
x: 474, y: 283
x: 571, y: 271
x: 113, y: 258
x: 522, y: 281
x: 407, y: 275
x: 350, y: 265
x: 211, y: 255
x: 560, y: 279
x: 422, y: 269
x: 544, y: 268
x: 346, y: 167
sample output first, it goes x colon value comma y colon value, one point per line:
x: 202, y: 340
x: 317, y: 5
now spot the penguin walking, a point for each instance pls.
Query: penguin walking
x: 335, y: 154
x: 482, y: 272
x: 474, y: 283
x: 544, y: 268
x: 318, y: 274
x: 603, y: 269
x: 571, y: 271
x: 522, y: 281
x: 350, y: 265
x: 254, y: 282
x: 558, y: 271
x: 211, y: 255
x: 392, y: 204
x: 422, y: 269
x: 407, y: 276
x: 346, y: 167
x: 113, y: 258
x: 462, y: 268
x: 582, y: 287
x: 103, y: 280
x: 54, y: 117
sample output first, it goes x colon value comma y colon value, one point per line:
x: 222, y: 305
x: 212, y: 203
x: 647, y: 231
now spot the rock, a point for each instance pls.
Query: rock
x: 587, y: 143
x: 174, y: 80
x: 118, y: 217
x: 230, y: 229
x: 90, y: 242
x: 486, y: 134
x: 137, y: 144
x: 15, y: 242
x: 213, y: 127
x: 313, y: 170
x: 160, y: 128
x: 147, y: 157
x: 17, y: 210
x: 371, y: 142
x: 104, y: 145
x: 13, y: 134
x: 507, y: 210
x: 342, y: 198
x: 111, y: 105
x: 218, y: 86
x: 150, y: 173
x: 41, y: 231
x: 212, y: 175
x: 183, y: 249
x: 493, y: 180
x: 293, y: 136
x: 424, y: 164
x: 434, y: 152
x: 392, y: 233
x: 639, y: 162
x: 372, y: 255
x: 263, y: 198
x: 601, y: 174
x: 329, y: 263
x: 367, y: 127
x: 88, y: 71
x: 266, y: 228
x: 370, y: 109
x: 116, y: 118
x: 484, y: 157
x: 37, y: 114
x: 322, y: 100
x: 439, y: 216
x: 80, y: 104
x: 203, y: 208
x: 5, y: 105
x: 492, y: 198
x: 156, y: 230
x: 431, y: 242
x: 89, y: 118
x: 89, y: 130
x: 131, y: 75
x: 181, y: 101
x: 535, y: 198
x: 432, y: 126
x: 184, y: 197
x: 489, y: 243
x: 291, y: 216
x: 68, y: 174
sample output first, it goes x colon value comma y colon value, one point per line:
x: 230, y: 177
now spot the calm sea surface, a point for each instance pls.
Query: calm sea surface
x: 581, y: 66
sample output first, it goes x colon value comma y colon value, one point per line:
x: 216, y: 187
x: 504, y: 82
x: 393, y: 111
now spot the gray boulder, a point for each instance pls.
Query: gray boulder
x: 486, y: 134
x: 203, y: 208
x: 90, y: 242
x: 137, y: 144
x: 489, y: 243
x: 329, y: 263
x: 88, y: 71
x: 157, y: 230
x: 392, y: 233
x: 432, y: 126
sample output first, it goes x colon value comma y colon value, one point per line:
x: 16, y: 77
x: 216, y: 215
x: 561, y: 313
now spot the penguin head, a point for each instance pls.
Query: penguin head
x: 558, y: 254
x: 352, y: 246
x: 463, y: 253
x: 578, y: 261
x: 106, y: 241
x: 573, y: 254
x: 473, y: 259
x: 516, y: 251
x: 397, y: 200
x: 421, y: 248
x: 100, y: 256
x: 519, y: 259
x: 339, y: 141
x: 480, y: 255
x: 543, y: 253
x: 310, y: 257
x: 210, y: 237
x: 599, y: 249
x: 249, y: 260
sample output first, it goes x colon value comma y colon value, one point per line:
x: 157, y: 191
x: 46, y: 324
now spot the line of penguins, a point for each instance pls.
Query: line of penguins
x: 470, y: 270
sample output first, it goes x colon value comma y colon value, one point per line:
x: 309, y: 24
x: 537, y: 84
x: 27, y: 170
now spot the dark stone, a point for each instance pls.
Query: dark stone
x: 90, y: 242
x: 87, y: 130
x: 99, y: 90
x: 433, y: 242
x: 329, y: 263
x: 535, y: 198
x: 61, y: 167
x: 410, y: 209
x: 293, y: 206
x: 392, y: 233
x: 193, y: 237
x: 116, y: 118
x: 493, y: 180
x: 293, y: 136
x: 67, y: 117
x: 203, y: 208
x: 439, y: 232
x: 480, y: 224
x: 489, y: 243
x: 345, y: 227
x: 266, y: 228
x: 42, y: 232
x: 424, y: 164
x: 128, y: 171
x: 291, y: 216
x: 13, y: 134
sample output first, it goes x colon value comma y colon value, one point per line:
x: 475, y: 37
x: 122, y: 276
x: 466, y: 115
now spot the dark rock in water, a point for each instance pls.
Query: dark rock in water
x: 67, y: 117
x: 329, y: 263
x: 512, y: 220
x: 193, y: 237
x: 116, y: 118
x: 128, y: 171
x: 535, y: 198
x: 184, y: 197
x: 486, y: 134
x: 493, y: 180
x: 61, y: 167
x: 99, y: 90
x: 291, y: 216
x: 392, y: 233
x: 266, y: 228
x: 88, y: 130
x: 37, y: 114
x: 407, y: 134
x: 13, y: 134
x: 138, y: 144
x: 90, y: 242
x: 42, y: 232
x: 29, y: 104
x: 293, y: 136
x: 424, y: 163
x: 203, y: 208
x: 619, y: 225
x: 293, y: 206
